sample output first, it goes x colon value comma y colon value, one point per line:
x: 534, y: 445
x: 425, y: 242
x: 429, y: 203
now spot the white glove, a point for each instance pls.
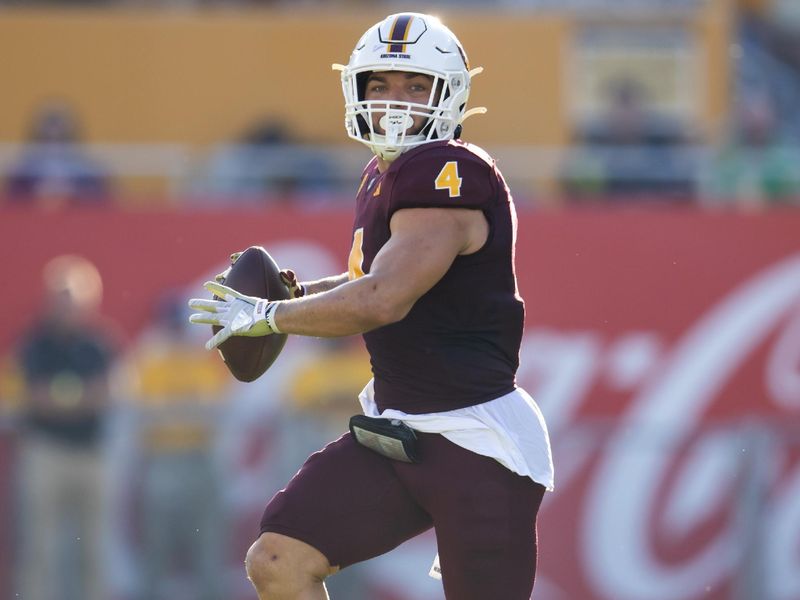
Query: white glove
x: 236, y: 313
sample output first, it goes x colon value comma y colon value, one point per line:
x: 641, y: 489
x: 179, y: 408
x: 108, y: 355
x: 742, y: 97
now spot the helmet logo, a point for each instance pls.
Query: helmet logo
x: 405, y: 29
x: 400, y: 30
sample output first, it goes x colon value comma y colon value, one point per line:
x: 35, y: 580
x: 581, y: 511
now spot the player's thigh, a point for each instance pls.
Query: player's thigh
x: 485, y: 520
x: 347, y: 502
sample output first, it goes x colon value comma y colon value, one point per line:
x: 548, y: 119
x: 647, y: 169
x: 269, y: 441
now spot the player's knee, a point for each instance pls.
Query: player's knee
x: 280, y: 566
x: 268, y: 564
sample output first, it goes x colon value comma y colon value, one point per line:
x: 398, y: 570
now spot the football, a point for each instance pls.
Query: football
x: 255, y: 273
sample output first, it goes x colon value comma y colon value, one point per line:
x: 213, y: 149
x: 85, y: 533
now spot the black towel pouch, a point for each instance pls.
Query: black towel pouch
x: 388, y: 437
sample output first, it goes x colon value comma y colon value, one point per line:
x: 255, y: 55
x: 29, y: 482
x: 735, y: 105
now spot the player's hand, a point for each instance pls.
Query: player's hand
x: 289, y: 279
x: 236, y: 313
x: 220, y: 277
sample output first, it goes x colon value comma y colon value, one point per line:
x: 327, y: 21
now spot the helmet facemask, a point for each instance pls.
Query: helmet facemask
x: 388, y: 127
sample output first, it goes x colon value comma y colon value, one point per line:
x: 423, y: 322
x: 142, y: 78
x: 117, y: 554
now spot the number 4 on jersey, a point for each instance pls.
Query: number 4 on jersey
x: 448, y: 179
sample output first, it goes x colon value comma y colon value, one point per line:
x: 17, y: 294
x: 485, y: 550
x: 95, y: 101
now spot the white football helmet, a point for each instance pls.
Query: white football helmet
x: 416, y: 43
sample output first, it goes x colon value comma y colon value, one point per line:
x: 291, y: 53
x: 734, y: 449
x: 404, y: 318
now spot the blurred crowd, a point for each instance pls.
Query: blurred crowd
x: 139, y: 465
x: 628, y: 151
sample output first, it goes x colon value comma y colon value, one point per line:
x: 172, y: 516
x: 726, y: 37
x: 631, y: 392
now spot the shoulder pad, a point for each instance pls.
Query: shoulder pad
x: 446, y: 176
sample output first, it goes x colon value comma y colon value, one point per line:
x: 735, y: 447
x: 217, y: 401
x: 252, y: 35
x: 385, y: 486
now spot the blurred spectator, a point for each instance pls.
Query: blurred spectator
x: 54, y: 169
x: 755, y: 166
x: 629, y: 153
x: 179, y: 386
x: 324, y: 395
x: 768, y: 61
x: 66, y: 359
x: 268, y: 164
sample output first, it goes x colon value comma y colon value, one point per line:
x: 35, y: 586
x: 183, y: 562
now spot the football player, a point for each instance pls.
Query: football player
x: 447, y: 439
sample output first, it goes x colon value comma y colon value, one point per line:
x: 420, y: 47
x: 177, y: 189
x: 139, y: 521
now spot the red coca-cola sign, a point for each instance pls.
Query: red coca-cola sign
x: 663, y: 347
x: 665, y: 351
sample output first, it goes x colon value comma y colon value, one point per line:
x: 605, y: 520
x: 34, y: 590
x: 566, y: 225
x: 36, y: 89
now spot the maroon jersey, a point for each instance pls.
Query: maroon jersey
x: 459, y: 344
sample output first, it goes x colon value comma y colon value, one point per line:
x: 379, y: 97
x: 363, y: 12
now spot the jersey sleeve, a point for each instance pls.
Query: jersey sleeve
x: 450, y: 177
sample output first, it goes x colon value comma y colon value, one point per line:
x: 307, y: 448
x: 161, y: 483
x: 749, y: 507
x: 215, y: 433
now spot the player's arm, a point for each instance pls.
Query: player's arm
x: 423, y: 245
x: 324, y: 285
